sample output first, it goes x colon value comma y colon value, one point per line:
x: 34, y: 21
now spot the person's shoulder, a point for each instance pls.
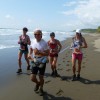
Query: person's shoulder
x: 42, y: 40
x: 33, y: 41
x: 20, y: 36
x: 27, y: 36
x: 57, y: 40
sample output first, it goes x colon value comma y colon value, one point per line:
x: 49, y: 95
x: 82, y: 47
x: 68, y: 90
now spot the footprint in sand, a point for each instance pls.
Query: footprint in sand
x: 68, y: 69
x: 68, y: 61
x: 63, y: 61
x: 59, y: 64
x: 84, y: 57
x: 83, y: 66
x: 84, y: 62
x: 47, y: 81
x: 60, y: 69
x: 59, y: 92
x: 67, y: 65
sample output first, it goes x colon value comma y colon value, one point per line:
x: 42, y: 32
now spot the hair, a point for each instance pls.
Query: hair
x: 52, y: 34
x: 80, y: 35
x: 25, y: 29
x: 38, y: 31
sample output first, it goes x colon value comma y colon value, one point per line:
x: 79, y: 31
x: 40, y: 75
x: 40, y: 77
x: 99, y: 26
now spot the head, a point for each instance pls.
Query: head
x: 52, y: 34
x: 38, y: 34
x: 25, y: 30
x: 78, y: 32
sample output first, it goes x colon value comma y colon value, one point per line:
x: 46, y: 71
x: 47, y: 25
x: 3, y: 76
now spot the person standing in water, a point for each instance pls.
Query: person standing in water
x: 54, y: 48
x: 77, y: 45
x: 24, y: 41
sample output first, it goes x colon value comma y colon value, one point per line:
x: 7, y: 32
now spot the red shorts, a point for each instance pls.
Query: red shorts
x: 77, y: 56
x: 53, y: 55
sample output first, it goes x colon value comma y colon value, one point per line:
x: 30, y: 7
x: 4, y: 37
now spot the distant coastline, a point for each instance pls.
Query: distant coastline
x: 90, y: 30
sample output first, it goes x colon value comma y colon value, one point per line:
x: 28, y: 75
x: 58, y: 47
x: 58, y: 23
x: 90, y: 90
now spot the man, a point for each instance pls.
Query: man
x: 24, y: 41
x: 39, y: 49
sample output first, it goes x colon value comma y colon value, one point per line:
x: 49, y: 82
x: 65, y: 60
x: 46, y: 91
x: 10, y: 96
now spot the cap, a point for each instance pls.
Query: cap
x: 52, y: 34
x: 78, y: 31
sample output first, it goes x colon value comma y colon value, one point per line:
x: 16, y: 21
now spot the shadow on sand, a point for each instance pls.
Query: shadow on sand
x: 82, y: 80
x: 51, y: 97
x: 87, y: 81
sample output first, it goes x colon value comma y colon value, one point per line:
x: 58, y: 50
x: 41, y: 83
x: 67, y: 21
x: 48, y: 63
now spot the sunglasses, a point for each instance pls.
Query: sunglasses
x: 37, y: 34
x: 51, y: 35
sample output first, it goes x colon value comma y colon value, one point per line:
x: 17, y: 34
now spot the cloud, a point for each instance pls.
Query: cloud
x: 29, y: 21
x: 70, y: 3
x: 8, y: 16
x: 87, y: 12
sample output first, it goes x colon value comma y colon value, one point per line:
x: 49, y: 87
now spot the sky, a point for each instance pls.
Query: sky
x: 50, y: 15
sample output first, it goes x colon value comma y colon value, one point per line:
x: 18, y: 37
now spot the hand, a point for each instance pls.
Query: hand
x: 29, y: 57
x: 36, y: 51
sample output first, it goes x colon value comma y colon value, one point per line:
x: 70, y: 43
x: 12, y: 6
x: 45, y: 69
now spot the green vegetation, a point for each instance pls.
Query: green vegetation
x: 98, y: 30
x: 89, y: 30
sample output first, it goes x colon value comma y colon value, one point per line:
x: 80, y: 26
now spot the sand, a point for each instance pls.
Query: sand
x: 19, y: 87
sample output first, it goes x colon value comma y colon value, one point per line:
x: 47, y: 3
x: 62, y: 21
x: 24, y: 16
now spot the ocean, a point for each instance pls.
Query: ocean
x: 9, y: 37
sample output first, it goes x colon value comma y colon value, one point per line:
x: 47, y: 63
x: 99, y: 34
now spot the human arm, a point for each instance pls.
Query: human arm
x: 59, y: 46
x: 84, y: 44
x: 28, y: 41
x: 30, y: 54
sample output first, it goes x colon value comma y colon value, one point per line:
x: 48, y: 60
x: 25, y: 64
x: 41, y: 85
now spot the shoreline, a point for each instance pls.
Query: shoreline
x: 62, y: 88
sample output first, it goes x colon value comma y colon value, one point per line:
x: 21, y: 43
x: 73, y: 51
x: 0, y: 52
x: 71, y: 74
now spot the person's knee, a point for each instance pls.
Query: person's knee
x: 41, y: 78
x: 73, y: 66
x: 79, y: 67
x: 19, y: 59
x: 33, y: 78
x: 26, y: 58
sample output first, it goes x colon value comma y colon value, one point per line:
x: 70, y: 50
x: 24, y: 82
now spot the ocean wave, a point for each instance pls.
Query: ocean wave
x: 5, y: 46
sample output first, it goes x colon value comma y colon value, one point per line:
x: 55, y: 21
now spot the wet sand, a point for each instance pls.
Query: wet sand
x: 19, y: 87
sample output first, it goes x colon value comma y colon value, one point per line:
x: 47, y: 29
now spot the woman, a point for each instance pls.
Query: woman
x: 54, y: 48
x: 24, y: 41
x: 77, y: 45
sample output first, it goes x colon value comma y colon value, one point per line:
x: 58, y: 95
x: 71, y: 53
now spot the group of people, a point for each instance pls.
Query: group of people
x: 41, y: 52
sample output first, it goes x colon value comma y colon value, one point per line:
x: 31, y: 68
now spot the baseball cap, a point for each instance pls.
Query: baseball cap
x: 78, y: 30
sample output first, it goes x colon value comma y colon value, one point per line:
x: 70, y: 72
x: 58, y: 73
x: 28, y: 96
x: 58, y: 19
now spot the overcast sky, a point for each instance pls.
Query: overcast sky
x: 50, y: 15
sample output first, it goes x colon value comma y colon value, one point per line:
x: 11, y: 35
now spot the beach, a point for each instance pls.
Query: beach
x: 19, y: 87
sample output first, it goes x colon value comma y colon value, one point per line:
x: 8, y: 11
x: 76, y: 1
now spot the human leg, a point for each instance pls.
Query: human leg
x: 41, y: 78
x: 19, y: 61
x: 34, y: 79
x: 79, y: 65
x: 74, y: 66
x: 27, y: 60
x: 54, y: 64
x: 34, y: 71
x: 51, y: 63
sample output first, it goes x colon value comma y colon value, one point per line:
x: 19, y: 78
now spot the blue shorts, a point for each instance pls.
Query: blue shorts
x: 23, y: 51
